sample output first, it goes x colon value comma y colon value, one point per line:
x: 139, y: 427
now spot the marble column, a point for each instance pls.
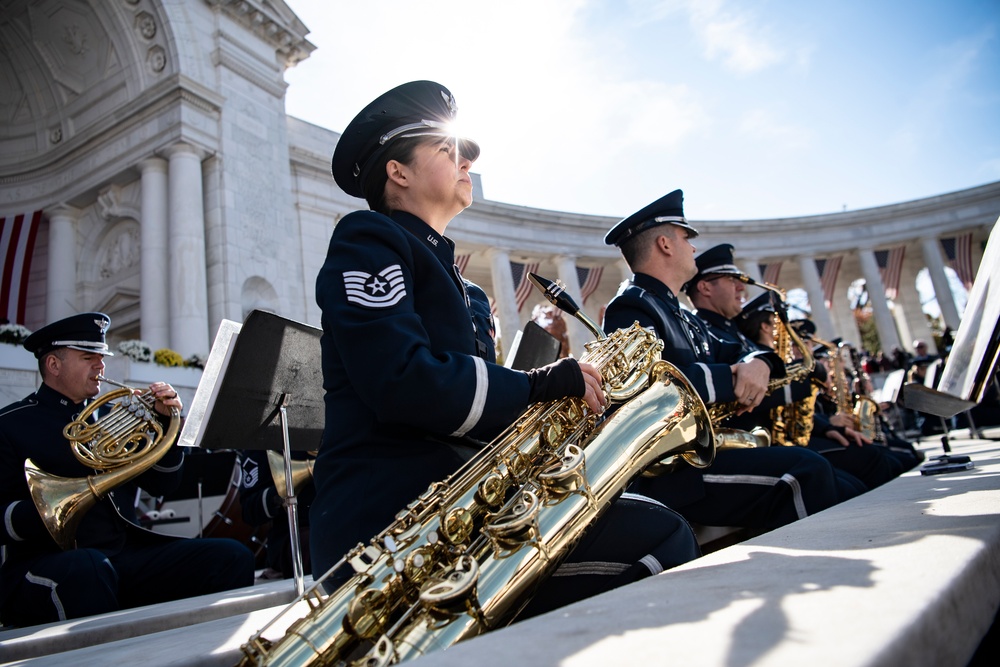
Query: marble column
x: 188, y: 290
x: 579, y: 335
x: 908, y: 302
x: 504, y: 298
x: 934, y: 257
x: 154, y: 306
x: 817, y: 299
x: 884, y: 322
x: 60, y: 298
x: 215, y: 246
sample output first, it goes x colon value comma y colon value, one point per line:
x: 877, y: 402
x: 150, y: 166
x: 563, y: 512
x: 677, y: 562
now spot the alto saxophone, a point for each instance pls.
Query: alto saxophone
x: 467, y: 555
x: 863, y: 410
x: 719, y: 412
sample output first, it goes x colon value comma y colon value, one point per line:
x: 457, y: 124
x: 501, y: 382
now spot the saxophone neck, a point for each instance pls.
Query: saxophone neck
x: 555, y: 292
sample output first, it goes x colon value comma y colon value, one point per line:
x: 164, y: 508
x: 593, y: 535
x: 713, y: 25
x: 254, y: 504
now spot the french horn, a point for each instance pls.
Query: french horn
x: 120, y: 446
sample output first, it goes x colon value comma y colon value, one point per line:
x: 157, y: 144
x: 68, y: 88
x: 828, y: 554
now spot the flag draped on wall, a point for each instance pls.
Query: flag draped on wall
x: 769, y: 272
x: 958, y: 250
x: 589, y: 279
x: 522, y: 286
x: 17, y: 244
x: 462, y: 261
x: 890, y: 264
x: 828, y: 270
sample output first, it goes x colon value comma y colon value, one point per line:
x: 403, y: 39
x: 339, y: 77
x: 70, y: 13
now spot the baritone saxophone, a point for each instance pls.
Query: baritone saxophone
x: 468, y: 554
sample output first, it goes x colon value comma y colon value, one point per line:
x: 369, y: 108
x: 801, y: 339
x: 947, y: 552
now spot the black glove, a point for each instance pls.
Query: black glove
x: 819, y: 373
x: 557, y: 380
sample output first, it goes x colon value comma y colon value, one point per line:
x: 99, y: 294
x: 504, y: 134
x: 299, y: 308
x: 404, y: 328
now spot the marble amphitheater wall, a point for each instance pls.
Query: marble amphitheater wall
x: 177, y: 193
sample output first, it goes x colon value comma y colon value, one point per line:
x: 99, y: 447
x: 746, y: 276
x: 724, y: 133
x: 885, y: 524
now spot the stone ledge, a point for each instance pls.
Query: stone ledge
x: 91, y: 631
x: 906, y: 574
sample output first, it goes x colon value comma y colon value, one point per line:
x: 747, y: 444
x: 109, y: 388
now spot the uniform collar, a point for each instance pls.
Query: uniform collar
x: 651, y: 284
x: 715, y: 319
x: 50, y: 397
x: 442, y: 246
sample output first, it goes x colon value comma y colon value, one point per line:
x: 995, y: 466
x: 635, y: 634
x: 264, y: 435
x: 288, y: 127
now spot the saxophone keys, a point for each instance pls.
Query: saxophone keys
x: 567, y: 475
x: 516, y: 523
x: 452, y: 592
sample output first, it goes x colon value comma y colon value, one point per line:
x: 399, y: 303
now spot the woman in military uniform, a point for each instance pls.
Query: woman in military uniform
x: 412, y: 387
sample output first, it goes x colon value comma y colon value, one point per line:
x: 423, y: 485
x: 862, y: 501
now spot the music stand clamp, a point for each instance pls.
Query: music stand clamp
x: 244, y: 398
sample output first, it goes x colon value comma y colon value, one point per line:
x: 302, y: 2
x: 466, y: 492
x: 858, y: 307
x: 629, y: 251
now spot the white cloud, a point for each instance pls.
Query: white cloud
x: 733, y: 36
x: 761, y: 124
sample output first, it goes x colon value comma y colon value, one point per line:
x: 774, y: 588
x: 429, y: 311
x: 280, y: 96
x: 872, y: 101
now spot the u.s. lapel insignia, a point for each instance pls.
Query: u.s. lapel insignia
x: 381, y: 290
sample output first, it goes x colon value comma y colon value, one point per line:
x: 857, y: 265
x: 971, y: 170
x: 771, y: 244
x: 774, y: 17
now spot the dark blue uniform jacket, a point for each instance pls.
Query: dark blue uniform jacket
x: 408, y: 368
x: 725, y: 330
x: 32, y: 428
x: 705, y: 360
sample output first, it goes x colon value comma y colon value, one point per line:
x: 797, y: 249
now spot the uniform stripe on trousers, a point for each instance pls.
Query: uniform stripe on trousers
x: 765, y: 480
x: 51, y: 585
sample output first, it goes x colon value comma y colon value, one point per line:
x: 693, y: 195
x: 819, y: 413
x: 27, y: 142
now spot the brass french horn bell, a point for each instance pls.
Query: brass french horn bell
x: 120, y: 446
x: 302, y: 472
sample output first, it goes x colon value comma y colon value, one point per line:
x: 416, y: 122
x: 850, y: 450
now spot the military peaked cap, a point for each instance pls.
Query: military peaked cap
x: 667, y: 210
x: 80, y: 332
x: 417, y: 108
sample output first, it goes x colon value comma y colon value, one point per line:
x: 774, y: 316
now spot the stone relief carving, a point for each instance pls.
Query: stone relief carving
x: 75, y: 39
x: 109, y: 202
x: 146, y: 25
x: 157, y: 59
x: 122, y: 252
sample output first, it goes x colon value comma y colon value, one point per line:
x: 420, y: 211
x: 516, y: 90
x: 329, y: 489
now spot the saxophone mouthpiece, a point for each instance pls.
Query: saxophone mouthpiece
x: 555, y: 292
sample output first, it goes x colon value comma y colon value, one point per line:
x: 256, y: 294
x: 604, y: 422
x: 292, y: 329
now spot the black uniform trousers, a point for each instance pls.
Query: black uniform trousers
x: 636, y: 538
x: 758, y: 488
x: 82, y: 582
x: 874, y: 465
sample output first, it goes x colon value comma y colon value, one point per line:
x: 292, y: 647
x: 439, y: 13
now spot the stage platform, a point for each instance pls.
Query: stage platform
x: 907, y: 574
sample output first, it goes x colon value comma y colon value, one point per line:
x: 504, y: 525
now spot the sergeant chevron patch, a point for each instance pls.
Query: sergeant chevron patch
x: 382, y: 290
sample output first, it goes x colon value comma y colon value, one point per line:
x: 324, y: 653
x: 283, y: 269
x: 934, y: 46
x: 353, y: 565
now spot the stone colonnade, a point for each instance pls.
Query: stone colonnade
x: 173, y: 304
x: 857, y: 243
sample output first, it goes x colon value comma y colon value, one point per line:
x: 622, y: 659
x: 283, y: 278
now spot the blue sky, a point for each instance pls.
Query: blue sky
x: 763, y: 109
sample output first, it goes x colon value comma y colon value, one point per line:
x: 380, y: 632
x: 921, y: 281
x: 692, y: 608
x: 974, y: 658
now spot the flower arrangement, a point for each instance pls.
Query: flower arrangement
x: 195, y: 361
x: 136, y: 350
x: 167, y: 357
x: 14, y: 334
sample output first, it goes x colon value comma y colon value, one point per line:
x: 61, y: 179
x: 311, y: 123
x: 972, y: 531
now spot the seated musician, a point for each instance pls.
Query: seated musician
x: 113, y: 563
x: 836, y: 437
x: 756, y: 488
x: 413, y: 389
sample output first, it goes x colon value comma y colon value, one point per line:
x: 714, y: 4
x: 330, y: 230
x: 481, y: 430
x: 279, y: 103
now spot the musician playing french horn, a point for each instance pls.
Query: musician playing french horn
x: 111, y: 562
x: 854, y: 457
x: 412, y: 387
x: 756, y: 488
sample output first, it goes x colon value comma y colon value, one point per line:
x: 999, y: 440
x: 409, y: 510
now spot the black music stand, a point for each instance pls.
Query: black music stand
x: 533, y: 348
x: 262, y: 388
x: 971, y: 366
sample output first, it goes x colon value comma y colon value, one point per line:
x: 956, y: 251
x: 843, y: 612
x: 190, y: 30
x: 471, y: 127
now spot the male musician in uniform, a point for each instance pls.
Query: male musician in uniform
x: 717, y: 291
x: 756, y: 488
x: 115, y: 564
